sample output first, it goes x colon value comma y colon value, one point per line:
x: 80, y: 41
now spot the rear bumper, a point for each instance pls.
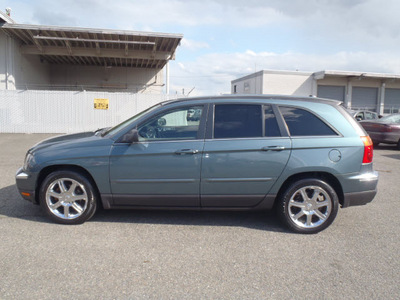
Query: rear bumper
x: 359, y: 198
x: 365, y: 186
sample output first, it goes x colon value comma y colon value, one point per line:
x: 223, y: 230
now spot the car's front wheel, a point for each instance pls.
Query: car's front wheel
x: 308, y: 205
x: 68, y: 197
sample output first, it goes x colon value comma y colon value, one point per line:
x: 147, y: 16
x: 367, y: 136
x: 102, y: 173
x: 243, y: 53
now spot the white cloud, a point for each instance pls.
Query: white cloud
x: 193, y: 45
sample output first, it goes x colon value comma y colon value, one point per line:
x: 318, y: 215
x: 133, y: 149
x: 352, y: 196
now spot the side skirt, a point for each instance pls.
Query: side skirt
x: 175, y: 202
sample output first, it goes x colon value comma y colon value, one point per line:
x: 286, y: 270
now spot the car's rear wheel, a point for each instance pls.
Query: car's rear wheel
x: 398, y: 145
x: 308, y: 205
x: 68, y: 197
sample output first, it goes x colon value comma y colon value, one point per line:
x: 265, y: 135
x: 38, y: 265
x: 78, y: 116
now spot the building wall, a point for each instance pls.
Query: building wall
x: 30, y: 71
x: 357, y: 92
x: 276, y: 82
x: 291, y: 83
x: 17, y: 70
x: 115, y: 78
x: 2, y: 61
x: 252, y: 84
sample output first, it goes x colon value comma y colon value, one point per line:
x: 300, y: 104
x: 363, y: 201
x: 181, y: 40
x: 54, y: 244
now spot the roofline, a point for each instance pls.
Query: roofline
x: 278, y: 72
x: 321, y: 74
x: 6, y: 18
x: 332, y: 73
x: 261, y: 97
x: 91, y: 30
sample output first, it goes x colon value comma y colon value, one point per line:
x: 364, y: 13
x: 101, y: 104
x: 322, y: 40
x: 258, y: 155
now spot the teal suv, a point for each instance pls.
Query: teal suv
x: 304, y: 157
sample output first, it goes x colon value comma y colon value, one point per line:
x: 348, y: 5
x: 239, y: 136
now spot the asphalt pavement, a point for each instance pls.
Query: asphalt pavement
x: 197, y: 255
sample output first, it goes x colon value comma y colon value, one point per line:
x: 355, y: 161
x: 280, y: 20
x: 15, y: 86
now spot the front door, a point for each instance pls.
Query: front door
x: 163, y: 168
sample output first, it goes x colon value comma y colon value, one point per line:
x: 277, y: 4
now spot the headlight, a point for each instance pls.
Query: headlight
x: 29, y: 161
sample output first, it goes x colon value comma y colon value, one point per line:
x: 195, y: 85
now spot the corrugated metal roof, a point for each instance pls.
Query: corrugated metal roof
x: 95, y: 47
x: 332, y: 73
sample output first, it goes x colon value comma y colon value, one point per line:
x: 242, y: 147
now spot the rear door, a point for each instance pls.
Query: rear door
x: 244, y: 154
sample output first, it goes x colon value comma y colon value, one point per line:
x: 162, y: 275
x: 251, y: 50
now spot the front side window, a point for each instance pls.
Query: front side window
x: 301, y: 122
x: 237, y: 121
x: 180, y: 124
x: 370, y: 116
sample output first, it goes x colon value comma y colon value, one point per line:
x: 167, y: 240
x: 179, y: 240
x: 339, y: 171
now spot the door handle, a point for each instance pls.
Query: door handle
x: 273, y: 148
x: 186, y: 151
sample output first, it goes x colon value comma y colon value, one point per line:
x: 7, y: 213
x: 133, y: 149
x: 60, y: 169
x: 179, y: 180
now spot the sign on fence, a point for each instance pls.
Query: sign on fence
x: 100, y: 103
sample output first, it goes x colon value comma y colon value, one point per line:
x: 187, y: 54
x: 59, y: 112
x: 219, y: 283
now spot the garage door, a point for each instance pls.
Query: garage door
x: 392, y: 101
x: 331, y: 92
x: 364, y: 98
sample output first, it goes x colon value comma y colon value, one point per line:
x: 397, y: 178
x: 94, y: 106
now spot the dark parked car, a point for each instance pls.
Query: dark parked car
x: 305, y: 157
x: 385, y: 130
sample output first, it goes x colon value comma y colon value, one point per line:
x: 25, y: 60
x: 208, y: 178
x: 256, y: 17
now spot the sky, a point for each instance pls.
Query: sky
x: 227, y: 39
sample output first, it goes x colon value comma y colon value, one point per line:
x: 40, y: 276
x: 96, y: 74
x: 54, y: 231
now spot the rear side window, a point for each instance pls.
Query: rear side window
x: 303, y: 123
x: 237, y: 121
x: 271, y: 125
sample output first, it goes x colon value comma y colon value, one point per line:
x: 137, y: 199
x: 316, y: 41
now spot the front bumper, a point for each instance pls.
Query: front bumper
x: 364, y: 189
x: 26, y: 185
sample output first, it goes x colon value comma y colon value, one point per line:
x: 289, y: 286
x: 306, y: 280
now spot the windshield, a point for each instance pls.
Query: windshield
x: 392, y: 118
x: 128, y: 122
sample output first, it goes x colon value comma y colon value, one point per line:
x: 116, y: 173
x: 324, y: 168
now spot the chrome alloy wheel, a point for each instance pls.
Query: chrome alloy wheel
x: 310, y: 206
x: 66, y: 198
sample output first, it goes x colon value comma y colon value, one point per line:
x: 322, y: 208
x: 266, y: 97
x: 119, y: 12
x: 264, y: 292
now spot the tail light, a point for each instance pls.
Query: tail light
x: 368, y: 150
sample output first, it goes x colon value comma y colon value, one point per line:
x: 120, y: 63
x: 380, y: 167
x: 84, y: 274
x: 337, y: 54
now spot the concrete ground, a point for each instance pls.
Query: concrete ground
x: 197, y: 255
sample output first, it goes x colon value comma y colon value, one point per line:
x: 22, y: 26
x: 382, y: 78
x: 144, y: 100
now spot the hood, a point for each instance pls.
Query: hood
x: 63, y: 139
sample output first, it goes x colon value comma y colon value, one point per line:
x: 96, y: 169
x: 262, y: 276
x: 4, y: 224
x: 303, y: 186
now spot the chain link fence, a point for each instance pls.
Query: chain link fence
x: 23, y: 111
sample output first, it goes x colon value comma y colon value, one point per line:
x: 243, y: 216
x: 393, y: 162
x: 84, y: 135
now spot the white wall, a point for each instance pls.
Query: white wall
x: 19, y: 70
x: 67, y: 111
x: 297, y: 84
x: 252, y: 84
x: 3, y: 61
x: 276, y: 82
x: 115, y: 78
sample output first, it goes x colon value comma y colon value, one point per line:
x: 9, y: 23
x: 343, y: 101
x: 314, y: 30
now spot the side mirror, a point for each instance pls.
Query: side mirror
x: 130, y: 137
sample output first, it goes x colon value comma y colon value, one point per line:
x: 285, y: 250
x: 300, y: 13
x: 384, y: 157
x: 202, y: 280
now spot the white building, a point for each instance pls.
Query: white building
x: 50, y: 76
x: 53, y: 57
x: 358, y: 90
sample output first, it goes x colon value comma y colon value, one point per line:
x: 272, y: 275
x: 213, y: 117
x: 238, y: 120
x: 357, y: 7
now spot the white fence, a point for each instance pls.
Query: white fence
x: 67, y: 111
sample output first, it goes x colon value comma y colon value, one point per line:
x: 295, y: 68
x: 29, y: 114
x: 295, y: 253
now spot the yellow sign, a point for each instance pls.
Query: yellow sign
x: 100, y: 103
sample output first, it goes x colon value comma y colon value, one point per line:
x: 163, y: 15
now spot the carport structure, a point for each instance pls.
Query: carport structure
x: 54, y: 57
x: 97, y: 47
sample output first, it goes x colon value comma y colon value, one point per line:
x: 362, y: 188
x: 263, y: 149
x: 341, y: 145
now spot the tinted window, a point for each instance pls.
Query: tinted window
x: 271, y: 125
x: 182, y: 123
x: 237, y: 121
x: 301, y: 122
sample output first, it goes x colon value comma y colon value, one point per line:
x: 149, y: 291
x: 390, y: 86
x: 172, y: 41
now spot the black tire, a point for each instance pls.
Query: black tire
x: 398, y: 145
x: 310, y: 215
x: 68, y: 197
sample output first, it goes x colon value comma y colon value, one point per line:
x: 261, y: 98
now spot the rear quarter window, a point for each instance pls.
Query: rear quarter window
x: 301, y: 122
